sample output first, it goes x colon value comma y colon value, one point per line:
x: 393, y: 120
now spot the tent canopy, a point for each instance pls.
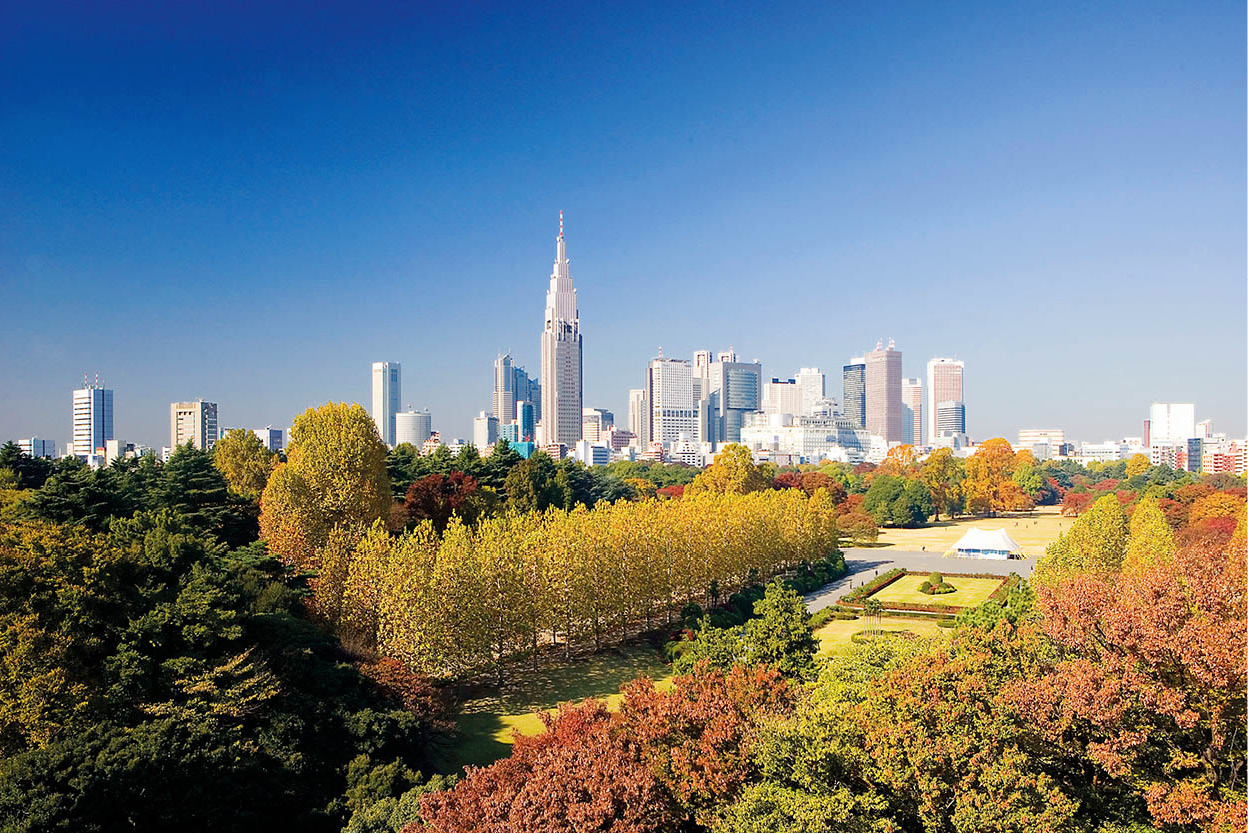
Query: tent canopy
x: 987, y: 544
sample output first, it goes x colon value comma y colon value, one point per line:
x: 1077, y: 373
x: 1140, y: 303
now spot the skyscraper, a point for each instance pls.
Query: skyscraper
x: 93, y: 418
x: 854, y: 391
x: 1171, y: 422
x: 561, y: 375
x: 669, y: 395
x: 387, y: 392
x: 944, y: 384
x: 950, y: 417
x: 783, y: 396
x: 883, y: 389
x: 814, y: 388
x: 912, y: 411
x: 595, y: 422
x: 193, y: 422
x: 484, y: 430
x: 638, y: 421
x: 504, y: 400
x: 736, y: 388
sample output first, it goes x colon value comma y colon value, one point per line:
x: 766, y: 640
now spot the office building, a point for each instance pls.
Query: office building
x: 811, y: 439
x: 270, y: 437
x: 854, y: 391
x: 944, y: 384
x: 484, y: 430
x: 595, y: 422
x: 561, y: 356
x: 638, y: 415
x: 912, y: 411
x: 512, y: 385
x: 814, y: 387
x: 193, y: 422
x: 669, y: 395
x: 93, y: 419
x: 37, y: 447
x: 503, y: 403
x: 783, y: 396
x: 736, y: 389
x: 950, y: 418
x: 387, y: 394
x: 1171, y: 423
x: 883, y: 392
x: 414, y: 427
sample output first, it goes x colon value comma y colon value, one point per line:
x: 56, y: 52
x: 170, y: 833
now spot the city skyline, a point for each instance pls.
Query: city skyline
x: 1094, y: 185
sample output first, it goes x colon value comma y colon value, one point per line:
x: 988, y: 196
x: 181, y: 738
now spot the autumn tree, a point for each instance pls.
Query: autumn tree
x: 1150, y: 541
x: 900, y: 461
x: 245, y: 462
x: 1137, y: 464
x: 733, y: 471
x: 941, y: 473
x: 577, y: 775
x: 1096, y: 542
x: 335, y: 472
x: 437, y: 497
x: 1215, y: 505
x: 987, y: 486
x: 1149, y: 681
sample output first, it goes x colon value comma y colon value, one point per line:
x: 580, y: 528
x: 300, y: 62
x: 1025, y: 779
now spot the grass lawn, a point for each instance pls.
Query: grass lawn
x: 834, y: 637
x: 486, y: 722
x: 970, y: 592
x: 1033, y: 531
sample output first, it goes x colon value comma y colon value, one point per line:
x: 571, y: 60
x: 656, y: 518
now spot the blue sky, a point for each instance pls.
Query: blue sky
x: 252, y: 202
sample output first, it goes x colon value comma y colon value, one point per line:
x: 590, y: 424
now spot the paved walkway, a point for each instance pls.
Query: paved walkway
x: 866, y: 563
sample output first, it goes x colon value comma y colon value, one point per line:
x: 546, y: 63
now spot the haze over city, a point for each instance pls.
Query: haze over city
x: 254, y: 214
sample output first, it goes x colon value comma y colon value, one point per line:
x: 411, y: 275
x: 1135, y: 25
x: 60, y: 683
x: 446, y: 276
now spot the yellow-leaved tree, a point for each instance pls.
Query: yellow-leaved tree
x: 1137, y: 464
x: 335, y: 473
x: 987, y: 485
x: 733, y: 472
x: 1095, y: 543
x: 245, y: 462
x: 1150, y: 541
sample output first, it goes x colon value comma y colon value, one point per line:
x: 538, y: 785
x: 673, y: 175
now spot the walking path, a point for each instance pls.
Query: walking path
x: 865, y: 563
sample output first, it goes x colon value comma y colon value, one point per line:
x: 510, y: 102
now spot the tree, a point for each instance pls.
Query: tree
x: 438, y: 497
x: 245, y: 462
x: 28, y: 472
x: 897, y: 501
x: 858, y: 527
x: 1216, y: 505
x: 1137, y: 464
x: 941, y: 473
x: 988, y: 472
x: 780, y: 635
x: 192, y: 487
x: 1148, y: 682
x: 1096, y: 542
x: 733, y: 471
x: 335, y: 472
x: 1150, y: 540
x: 531, y: 484
x: 578, y: 775
x: 900, y: 461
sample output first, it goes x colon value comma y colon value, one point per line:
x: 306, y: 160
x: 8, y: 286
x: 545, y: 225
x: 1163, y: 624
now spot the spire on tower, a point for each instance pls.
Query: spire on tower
x: 560, y: 222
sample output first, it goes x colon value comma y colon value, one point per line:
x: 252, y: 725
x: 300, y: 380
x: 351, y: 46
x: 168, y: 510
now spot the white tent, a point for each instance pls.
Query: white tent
x: 986, y: 544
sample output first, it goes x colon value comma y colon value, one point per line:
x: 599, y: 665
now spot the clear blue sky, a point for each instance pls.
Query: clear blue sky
x: 251, y: 202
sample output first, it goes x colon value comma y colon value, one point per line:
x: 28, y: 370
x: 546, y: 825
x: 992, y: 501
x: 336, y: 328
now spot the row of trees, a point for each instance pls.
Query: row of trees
x: 478, y: 594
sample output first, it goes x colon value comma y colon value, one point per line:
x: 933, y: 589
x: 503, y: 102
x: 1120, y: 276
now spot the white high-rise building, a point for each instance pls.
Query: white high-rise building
x: 638, y: 415
x: 504, y: 401
x: 270, y: 437
x: 944, y: 384
x: 387, y: 394
x: 912, y: 411
x: 814, y: 385
x: 484, y: 430
x: 412, y: 427
x: 595, y: 422
x: 562, y: 390
x: 93, y: 419
x: 193, y: 422
x: 669, y: 395
x: 783, y: 396
x: 1171, y: 422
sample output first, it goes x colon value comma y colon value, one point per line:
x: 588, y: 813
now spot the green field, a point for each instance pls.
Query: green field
x: 1033, y: 531
x: 970, y: 592
x: 834, y: 637
x: 487, y: 721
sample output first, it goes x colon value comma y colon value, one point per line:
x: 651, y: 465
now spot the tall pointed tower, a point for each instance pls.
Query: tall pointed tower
x: 561, y: 355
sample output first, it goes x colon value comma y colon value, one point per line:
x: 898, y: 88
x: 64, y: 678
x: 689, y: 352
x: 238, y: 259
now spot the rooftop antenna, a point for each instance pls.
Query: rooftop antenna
x: 560, y: 222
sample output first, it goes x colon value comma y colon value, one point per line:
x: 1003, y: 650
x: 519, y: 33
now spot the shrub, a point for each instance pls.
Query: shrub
x: 821, y: 617
x: 926, y: 587
x: 946, y: 623
x: 845, y: 615
x: 936, y: 579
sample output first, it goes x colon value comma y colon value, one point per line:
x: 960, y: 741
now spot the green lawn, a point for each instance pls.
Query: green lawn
x: 486, y: 722
x: 834, y: 637
x: 1033, y: 531
x: 969, y: 593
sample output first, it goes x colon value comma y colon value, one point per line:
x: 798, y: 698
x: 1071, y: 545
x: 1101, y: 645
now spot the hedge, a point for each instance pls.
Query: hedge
x: 869, y: 588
